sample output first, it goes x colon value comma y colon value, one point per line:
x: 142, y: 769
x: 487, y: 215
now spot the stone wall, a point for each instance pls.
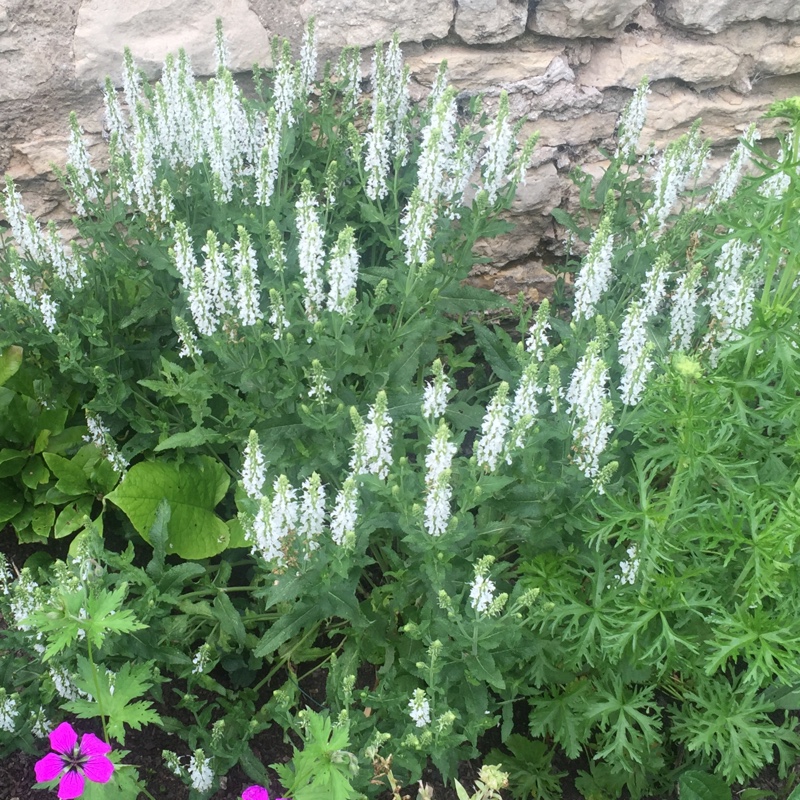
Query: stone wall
x: 569, y: 65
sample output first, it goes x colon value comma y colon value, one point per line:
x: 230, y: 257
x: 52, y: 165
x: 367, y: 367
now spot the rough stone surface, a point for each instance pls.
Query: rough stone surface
x: 712, y: 16
x: 154, y: 28
x: 364, y: 22
x: 573, y: 18
x: 478, y: 69
x: 490, y: 21
x: 725, y: 114
x: 623, y: 61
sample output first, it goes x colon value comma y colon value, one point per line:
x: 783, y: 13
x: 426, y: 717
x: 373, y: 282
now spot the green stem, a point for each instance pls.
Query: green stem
x: 97, y: 688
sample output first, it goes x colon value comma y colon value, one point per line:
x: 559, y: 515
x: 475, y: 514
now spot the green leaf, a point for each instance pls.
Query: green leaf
x: 483, y: 667
x: 10, y: 502
x: 158, y: 536
x: 696, y: 785
x: 192, y: 489
x: 71, y: 479
x: 287, y: 626
x: 35, y: 472
x: 229, y: 618
x: 193, y: 438
x: 494, y: 348
x: 11, y: 462
x: 42, y: 521
x: 10, y: 360
x: 113, y: 695
x: 72, y: 518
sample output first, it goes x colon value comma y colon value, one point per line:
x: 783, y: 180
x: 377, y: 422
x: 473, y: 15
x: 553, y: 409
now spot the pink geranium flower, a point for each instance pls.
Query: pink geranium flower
x: 73, y: 761
x: 258, y: 793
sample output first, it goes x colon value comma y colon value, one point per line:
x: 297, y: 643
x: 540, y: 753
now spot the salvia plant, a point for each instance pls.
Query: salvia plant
x: 260, y: 427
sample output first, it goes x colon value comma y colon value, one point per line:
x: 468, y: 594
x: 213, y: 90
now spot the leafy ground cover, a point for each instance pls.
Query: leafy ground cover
x: 258, y: 433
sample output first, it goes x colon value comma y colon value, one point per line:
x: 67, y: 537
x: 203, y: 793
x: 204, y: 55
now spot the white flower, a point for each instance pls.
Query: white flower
x: 201, y: 658
x: 245, y: 279
x: 372, y: 451
x: 634, y: 355
x: 537, y: 342
x: 48, y: 309
x: 310, y: 254
x: 277, y: 317
x: 201, y: 305
x: 187, y: 339
x: 498, y: 150
x: 101, y: 437
x: 285, y: 87
x: 319, y: 387
x: 9, y: 711
x: 275, y: 522
x: 419, y: 708
x: 200, y: 772
x: 595, y: 276
x: 730, y: 175
x: 632, y: 121
x: 41, y: 726
x: 378, y: 156
x: 343, y: 273
x: 481, y: 593
x: 590, y: 409
x: 731, y: 293
x: 496, y: 423
x: 308, y: 59
x: 80, y: 172
x: 683, y: 314
x: 683, y: 159
x: 311, y: 517
x: 525, y: 405
x: 438, y: 464
x: 253, y: 468
x: 216, y: 277
x: 221, y: 54
x: 630, y: 569
x: 183, y: 252
x: 268, y: 161
x: 634, y: 346
x: 64, y: 684
x: 345, y: 512
x: 436, y: 393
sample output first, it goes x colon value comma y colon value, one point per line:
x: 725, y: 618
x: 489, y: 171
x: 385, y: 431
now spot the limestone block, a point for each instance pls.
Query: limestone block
x: 712, y: 16
x: 528, y: 276
x: 542, y: 190
x: 779, y: 59
x: 154, y: 28
x: 575, y: 18
x: 474, y: 69
x: 490, y: 21
x: 623, y: 61
x: 724, y: 113
x: 365, y: 22
x: 594, y: 126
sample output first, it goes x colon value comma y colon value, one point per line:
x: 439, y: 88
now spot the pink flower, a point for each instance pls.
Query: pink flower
x: 72, y: 761
x: 258, y: 793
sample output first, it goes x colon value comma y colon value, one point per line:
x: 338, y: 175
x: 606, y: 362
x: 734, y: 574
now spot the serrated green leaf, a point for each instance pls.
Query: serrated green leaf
x: 193, y: 489
x: 113, y: 696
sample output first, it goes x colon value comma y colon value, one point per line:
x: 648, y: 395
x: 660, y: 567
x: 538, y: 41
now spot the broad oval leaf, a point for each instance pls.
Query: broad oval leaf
x: 192, y: 490
x: 696, y: 785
